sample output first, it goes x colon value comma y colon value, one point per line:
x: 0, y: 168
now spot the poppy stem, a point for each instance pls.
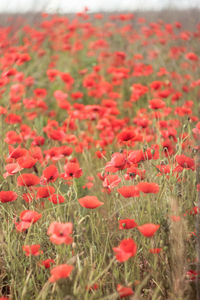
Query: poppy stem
x: 198, y: 220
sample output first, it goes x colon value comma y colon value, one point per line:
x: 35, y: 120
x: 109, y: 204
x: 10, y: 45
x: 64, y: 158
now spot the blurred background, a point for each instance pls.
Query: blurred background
x: 17, y: 13
x: 67, y: 6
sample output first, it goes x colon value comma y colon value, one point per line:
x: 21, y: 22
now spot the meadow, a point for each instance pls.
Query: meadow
x: 99, y: 164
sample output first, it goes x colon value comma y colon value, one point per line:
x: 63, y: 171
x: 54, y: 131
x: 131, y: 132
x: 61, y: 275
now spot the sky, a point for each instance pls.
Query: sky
x: 64, y: 6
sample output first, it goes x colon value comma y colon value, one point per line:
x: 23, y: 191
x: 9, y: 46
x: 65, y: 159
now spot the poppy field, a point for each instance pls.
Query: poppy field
x: 100, y: 141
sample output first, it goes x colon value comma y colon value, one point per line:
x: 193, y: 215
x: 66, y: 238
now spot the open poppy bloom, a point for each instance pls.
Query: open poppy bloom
x: 72, y: 170
x: 125, y: 135
x: 133, y: 171
x: 50, y: 174
x: 32, y: 250
x: 27, y: 218
x: 136, y: 156
x: 124, y: 291
x: 61, y: 271
x: 16, y: 152
x: 127, y: 224
x: 126, y: 249
x: 27, y: 179
x: 30, y: 216
x: 117, y: 162
x: 148, y: 187
x: 156, y: 103
x: 185, y: 161
x: 90, y: 202
x: 26, y: 162
x: 111, y: 181
x: 60, y: 233
x: 7, y: 196
x: 148, y: 230
x: 45, y: 191
x: 12, y: 169
x: 56, y: 199
x: 191, y: 56
x: 129, y: 191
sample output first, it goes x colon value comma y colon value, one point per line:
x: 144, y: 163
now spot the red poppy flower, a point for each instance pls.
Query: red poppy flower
x: 13, y: 119
x: 36, y: 153
x: 100, y: 154
x: 17, y: 152
x: 148, y: 230
x: 66, y: 77
x: 65, y: 150
x: 11, y: 169
x: 30, y: 216
x: 53, y: 153
x: 117, y: 162
x: 7, y: 196
x: 168, y: 147
x: 60, y: 95
x: 38, y: 141
x: 22, y: 226
x: 151, y: 153
x: 60, y: 233
x: 90, y: 202
x: 127, y: 224
x: 185, y: 161
x: 163, y: 169
x: 191, y: 56
x: 61, y: 271
x: 52, y: 73
x: 156, y: 103
x: 111, y: 181
x: 72, y: 170
x: 26, y: 162
x: 133, y: 171
x: 56, y: 134
x: 12, y: 138
x: 45, y: 191
x: 129, y: 191
x: 126, y: 249
x: 40, y: 92
x: 148, y: 187
x: 135, y: 156
x: 32, y: 250
x: 27, y: 179
x: 50, y: 174
x: 56, y: 199
x: 126, y: 135
x: 47, y: 263
x: 27, y: 217
x: 124, y: 291
x: 88, y: 185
